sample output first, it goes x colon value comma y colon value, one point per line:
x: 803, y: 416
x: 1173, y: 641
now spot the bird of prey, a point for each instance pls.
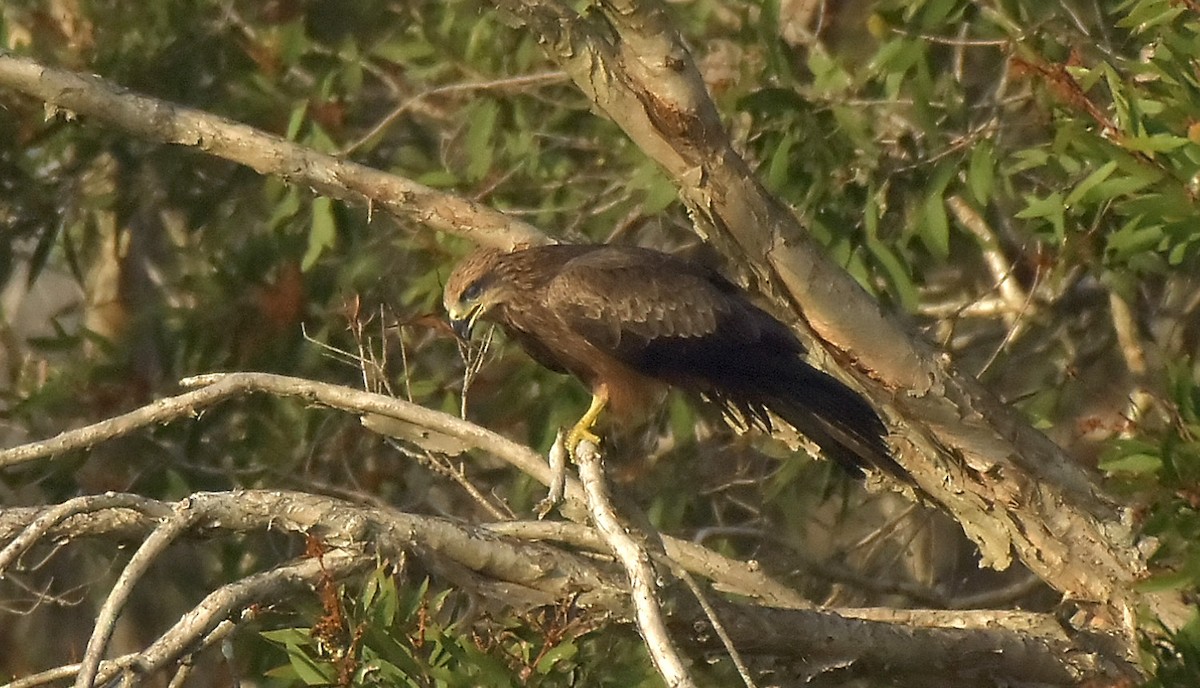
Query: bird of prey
x: 624, y: 320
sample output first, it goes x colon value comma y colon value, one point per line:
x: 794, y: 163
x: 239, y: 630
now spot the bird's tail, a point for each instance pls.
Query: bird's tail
x: 835, y: 417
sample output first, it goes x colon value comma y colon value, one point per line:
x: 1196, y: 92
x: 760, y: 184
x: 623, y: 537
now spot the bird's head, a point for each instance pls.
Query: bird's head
x: 472, y: 290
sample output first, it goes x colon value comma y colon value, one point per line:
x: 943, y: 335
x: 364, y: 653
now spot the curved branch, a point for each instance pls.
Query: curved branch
x: 92, y: 98
x: 50, y: 519
x: 164, y: 534
x: 727, y: 574
x: 1022, y: 647
x: 208, y: 622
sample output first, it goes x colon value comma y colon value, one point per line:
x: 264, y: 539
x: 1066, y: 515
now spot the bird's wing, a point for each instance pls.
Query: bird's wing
x: 678, y: 322
x: 621, y: 298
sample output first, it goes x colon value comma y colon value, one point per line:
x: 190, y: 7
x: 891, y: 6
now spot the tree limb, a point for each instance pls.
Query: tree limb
x: 1009, y: 486
x: 635, y: 559
x: 93, y: 98
x: 1018, y: 646
x: 208, y: 622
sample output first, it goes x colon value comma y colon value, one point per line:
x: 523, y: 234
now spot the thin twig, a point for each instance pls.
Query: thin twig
x: 1007, y: 595
x: 523, y: 81
x: 730, y: 647
x: 474, y: 357
x: 557, y: 460
x: 993, y: 255
x: 404, y: 366
x: 457, y: 474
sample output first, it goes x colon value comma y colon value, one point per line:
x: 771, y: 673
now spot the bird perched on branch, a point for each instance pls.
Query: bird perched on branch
x: 625, y: 320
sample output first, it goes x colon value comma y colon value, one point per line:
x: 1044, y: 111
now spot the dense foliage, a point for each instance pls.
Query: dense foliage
x: 1021, y: 178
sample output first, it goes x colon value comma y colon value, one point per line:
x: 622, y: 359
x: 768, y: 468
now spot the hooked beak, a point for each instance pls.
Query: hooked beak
x: 462, y: 328
x: 463, y: 323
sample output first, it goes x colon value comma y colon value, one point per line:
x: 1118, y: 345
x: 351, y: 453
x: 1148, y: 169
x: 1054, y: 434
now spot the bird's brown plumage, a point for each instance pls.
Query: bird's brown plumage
x: 625, y: 320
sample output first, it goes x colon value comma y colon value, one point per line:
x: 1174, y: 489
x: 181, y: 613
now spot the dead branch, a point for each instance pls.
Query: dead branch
x: 727, y: 574
x: 152, y: 548
x: 209, y: 621
x: 549, y: 573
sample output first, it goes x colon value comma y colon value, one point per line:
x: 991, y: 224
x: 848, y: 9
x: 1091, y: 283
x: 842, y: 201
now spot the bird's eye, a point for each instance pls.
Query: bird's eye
x: 472, y: 291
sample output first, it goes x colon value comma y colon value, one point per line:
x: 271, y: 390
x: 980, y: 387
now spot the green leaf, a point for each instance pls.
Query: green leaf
x: 1132, y: 238
x: 352, y: 67
x: 390, y: 674
x: 1051, y: 208
x: 1181, y: 252
x: 1028, y: 159
x: 828, y: 76
x: 414, y: 600
x: 1136, y: 464
x: 439, y: 179
x: 286, y: 208
x: 404, y: 50
x: 478, y: 143
x: 771, y: 102
x: 312, y: 671
x: 660, y: 191
x: 322, y: 233
x: 1147, y: 15
x: 558, y: 653
x: 682, y: 418
x: 1154, y: 143
x: 935, y: 225
x: 1090, y: 182
x: 288, y: 636
x: 981, y: 172
x: 899, y: 279
x: 936, y: 12
x: 1125, y: 185
x: 296, y: 120
x: 780, y: 165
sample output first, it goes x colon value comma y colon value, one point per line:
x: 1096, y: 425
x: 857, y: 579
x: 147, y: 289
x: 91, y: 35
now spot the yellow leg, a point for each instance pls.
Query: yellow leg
x: 583, y: 429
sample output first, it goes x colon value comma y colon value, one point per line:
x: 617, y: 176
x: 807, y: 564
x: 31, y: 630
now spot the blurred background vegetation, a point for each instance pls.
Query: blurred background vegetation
x: 1020, y: 178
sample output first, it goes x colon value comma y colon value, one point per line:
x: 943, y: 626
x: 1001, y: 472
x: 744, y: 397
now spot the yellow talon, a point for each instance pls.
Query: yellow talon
x: 583, y: 429
x: 579, y: 434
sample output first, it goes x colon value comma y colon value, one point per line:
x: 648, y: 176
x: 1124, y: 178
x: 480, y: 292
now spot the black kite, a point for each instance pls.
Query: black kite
x: 624, y: 320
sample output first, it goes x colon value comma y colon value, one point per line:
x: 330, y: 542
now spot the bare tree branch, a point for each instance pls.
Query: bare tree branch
x: 93, y: 98
x: 162, y: 537
x: 975, y: 656
x: 727, y: 574
x: 1032, y: 645
x: 49, y: 519
x: 637, y: 564
x: 208, y: 622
